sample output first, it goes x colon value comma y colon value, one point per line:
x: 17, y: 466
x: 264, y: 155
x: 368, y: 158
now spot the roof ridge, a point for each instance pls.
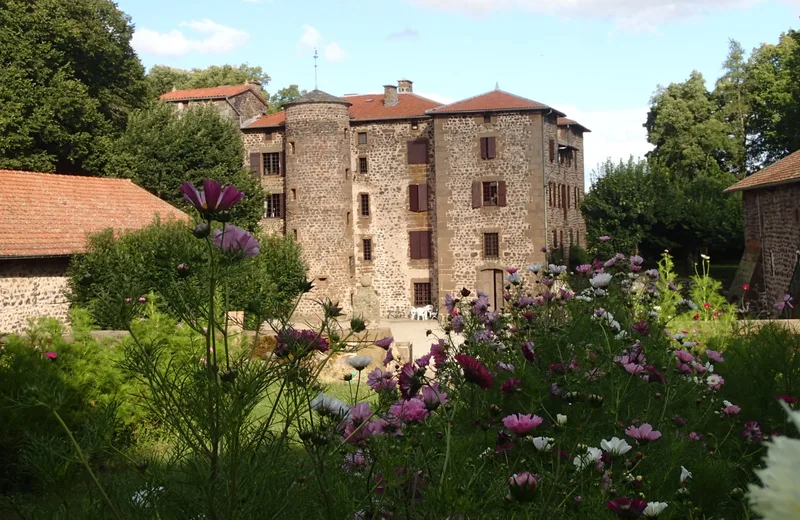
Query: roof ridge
x: 65, y: 175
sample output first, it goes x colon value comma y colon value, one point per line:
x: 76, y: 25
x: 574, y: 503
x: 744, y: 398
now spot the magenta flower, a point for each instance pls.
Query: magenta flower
x: 520, y: 424
x: 694, y: 436
x: 474, y: 371
x: 457, y: 324
x: 214, y: 198
x: 410, y: 411
x: 511, y: 385
x: 380, y: 380
x: 527, y: 351
x: 506, y: 367
x: 557, y: 368
x: 236, y: 240
x: 641, y: 328
x: 714, y: 356
x: 433, y: 397
x: 604, y: 238
x: 512, y: 270
x: 384, y: 343
x: 449, y: 303
x: 752, y: 432
x: 409, y: 381
x: 625, y: 507
x: 636, y: 260
x: 655, y: 375
x: 731, y: 409
x: 523, y: 485
x: 634, y: 369
x: 583, y: 269
x: 360, y: 413
x: 788, y: 399
x: 684, y: 356
x: 424, y: 361
x: 785, y: 301
x: 50, y: 354
x: 388, y: 358
x: 439, y: 353
x: 354, y: 461
x: 645, y: 432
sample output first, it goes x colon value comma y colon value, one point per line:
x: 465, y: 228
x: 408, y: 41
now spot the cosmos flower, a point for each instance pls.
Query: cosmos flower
x: 359, y: 362
x: 752, y: 432
x: 439, y: 353
x: 355, y: 461
x: 433, y: 397
x: 523, y: 485
x: 587, y: 459
x: 785, y: 301
x: 410, y: 383
x: 236, y: 240
x: 604, y: 238
x: 654, y: 509
x: 527, y: 351
x: 714, y: 356
x: 684, y: 356
x: 511, y: 385
x: 685, y: 475
x: 616, y: 446
x: 50, y: 354
x: 645, y: 432
x: 521, y: 424
x: 600, y: 280
x: 561, y: 420
x: 715, y: 381
x: 474, y: 371
x: 535, y: 268
x: 380, y: 380
x: 384, y: 343
x: 410, y: 411
x: 213, y: 198
x: 543, y: 443
x: 583, y: 269
x: 625, y: 507
x: 329, y: 405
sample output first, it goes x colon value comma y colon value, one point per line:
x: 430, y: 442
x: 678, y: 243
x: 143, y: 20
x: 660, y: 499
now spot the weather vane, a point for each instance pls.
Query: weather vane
x: 315, y: 68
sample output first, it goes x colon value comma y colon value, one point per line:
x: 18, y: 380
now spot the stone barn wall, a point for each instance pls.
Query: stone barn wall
x: 248, y: 105
x: 265, y: 140
x: 31, y: 288
x: 565, y: 185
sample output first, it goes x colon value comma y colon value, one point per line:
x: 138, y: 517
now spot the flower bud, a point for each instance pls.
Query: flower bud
x: 523, y: 486
x: 184, y: 270
x: 357, y: 325
x: 465, y: 292
x: 201, y: 230
x: 228, y: 376
x: 141, y: 465
x: 348, y: 377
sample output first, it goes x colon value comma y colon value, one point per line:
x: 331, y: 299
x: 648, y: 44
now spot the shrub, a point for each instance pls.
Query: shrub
x: 578, y: 256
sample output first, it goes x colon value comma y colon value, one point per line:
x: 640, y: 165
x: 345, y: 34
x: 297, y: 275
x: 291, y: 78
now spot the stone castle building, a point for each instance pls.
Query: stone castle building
x: 398, y: 200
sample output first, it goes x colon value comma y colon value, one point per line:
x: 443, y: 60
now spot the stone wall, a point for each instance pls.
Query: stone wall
x: 565, y: 224
x: 248, y: 106
x: 772, y: 223
x: 460, y: 228
x: 31, y: 288
x: 391, y: 273
x: 265, y: 140
x: 321, y: 215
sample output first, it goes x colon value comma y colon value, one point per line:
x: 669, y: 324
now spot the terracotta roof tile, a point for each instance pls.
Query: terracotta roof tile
x: 45, y: 214
x: 268, y: 121
x: 370, y: 106
x: 494, y: 101
x: 205, y: 93
x: 565, y: 121
x: 782, y: 172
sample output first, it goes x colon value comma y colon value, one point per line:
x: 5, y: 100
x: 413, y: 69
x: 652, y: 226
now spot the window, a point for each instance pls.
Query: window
x: 418, y: 197
x: 561, y: 238
x: 362, y: 138
x: 555, y: 239
x: 488, y: 147
x: 418, y: 152
x: 552, y: 150
x: 364, y: 202
x: 346, y: 134
x: 294, y: 232
x: 272, y: 163
x: 422, y: 294
x: 291, y: 148
x: 487, y: 119
x: 420, y: 244
x: 415, y: 125
x: 367, y: 249
x: 491, y: 245
x: 362, y: 165
x: 347, y: 218
x: 347, y: 174
x: 489, y: 193
x: 268, y: 136
x: 273, y: 206
x: 294, y: 194
x: 255, y: 164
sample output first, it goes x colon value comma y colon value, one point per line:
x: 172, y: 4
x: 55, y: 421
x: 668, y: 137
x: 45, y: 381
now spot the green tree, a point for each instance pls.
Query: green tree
x: 283, y: 96
x: 162, y: 78
x: 733, y: 102
x: 68, y: 80
x: 773, y: 84
x: 161, y: 149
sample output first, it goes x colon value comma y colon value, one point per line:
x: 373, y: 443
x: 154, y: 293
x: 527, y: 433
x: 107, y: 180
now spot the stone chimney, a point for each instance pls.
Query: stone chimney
x: 404, y: 86
x: 389, y: 95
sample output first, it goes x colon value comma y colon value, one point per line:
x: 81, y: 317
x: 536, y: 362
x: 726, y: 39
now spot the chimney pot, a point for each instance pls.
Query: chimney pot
x: 404, y: 86
x: 390, y: 95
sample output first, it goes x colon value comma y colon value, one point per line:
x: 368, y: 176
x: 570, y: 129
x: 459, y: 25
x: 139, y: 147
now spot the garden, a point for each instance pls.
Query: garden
x: 601, y: 390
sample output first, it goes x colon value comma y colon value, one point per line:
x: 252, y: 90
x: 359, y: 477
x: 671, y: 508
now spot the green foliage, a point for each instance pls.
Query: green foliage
x: 706, y: 292
x: 162, y: 78
x: 283, y: 96
x: 578, y: 255
x: 733, y: 103
x: 669, y: 291
x: 68, y: 80
x: 162, y: 149
x: 145, y: 261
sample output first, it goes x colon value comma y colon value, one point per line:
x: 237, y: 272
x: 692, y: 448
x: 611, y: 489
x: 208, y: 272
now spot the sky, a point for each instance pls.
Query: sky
x: 597, y: 60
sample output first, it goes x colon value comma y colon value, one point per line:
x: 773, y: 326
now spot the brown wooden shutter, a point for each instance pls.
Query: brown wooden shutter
x: 255, y: 164
x: 568, y: 197
x: 417, y: 152
x: 282, y: 164
x: 501, y: 193
x: 413, y: 241
x: 282, y: 207
x: 552, y: 150
x: 422, y: 197
x: 491, y: 147
x: 413, y: 197
x: 484, y: 147
x: 477, y: 194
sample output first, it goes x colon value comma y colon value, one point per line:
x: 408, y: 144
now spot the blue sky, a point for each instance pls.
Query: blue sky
x: 597, y: 60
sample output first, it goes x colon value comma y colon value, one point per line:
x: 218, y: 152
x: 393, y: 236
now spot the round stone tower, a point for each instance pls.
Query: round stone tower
x: 319, y: 195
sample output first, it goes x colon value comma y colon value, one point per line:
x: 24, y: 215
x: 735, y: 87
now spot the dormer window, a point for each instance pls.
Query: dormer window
x: 487, y: 119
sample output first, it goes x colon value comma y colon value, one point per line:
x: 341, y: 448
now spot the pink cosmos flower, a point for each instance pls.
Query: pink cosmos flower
x: 633, y: 369
x: 715, y: 381
x: 604, y: 238
x: 694, y: 436
x: 409, y: 381
x: 583, y: 269
x: 423, y: 361
x: 384, y: 343
x: 510, y: 385
x: 354, y: 461
x: 439, y: 353
x: 142, y: 299
x: 557, y: 368
x: 625, y: 507
x: 236, y: 240
x: 752, y: 432
x: 522, y: 424
x: 523, y: 485
x: 213, y: 198
x: 512, y: 270
x: 714, y: 356
x: 788, y: 399
x: 684, y: 356
x: 645, y: 432
x: 641, y: 328
x: 388, y: 358
x: 359, y: 413
x: 128, y: 300
x: 610, y: 262
x: 457, y: 324
x: 410, y: 411
x: 380, y: 380
x: 433, y: 397
x: 655, y: 375
x: 785, y: 301
x: 731, y: 409
x: 474, y: 371
x: 682, y: 367
x: 50, y: 354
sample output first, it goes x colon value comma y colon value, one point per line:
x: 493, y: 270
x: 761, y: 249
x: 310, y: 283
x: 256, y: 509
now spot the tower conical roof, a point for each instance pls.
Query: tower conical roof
x: 318, y: 96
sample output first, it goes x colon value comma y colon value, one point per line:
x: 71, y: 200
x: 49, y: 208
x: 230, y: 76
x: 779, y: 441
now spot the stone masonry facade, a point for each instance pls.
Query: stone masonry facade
x: 397, y: 200
x: 30, y: 288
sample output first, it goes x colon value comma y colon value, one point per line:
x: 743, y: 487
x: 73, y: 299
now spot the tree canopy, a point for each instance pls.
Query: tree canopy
x: 162, y: 78
x: 161, y: 149
x: 68, y: 80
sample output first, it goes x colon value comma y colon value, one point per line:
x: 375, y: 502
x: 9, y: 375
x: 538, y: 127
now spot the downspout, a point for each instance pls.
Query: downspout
x: 545, y: 179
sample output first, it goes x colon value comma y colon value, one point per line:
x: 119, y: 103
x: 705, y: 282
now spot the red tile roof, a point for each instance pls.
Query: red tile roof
x: 494, y: 101
x: 268, y: 121
x: 370, y: 106
x: 45, y: 214
x: 565, y: 121
x: 205, y: 93
x: 785, y: 171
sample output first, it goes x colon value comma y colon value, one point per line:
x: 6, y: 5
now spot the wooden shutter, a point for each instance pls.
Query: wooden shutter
x: 425, y: 246
x: 568, y: 196
x: 477, y: 194
x: 501, y: 193
x: 417, y: 152
x: 282, y: 164
x: 255, y: 164
x: 484, y: 147
x: 413, y: 241
x: 491, y: 147
x: 552, y: 150
x: 282, y: 207
x: 413, y: 197
x: 422, y: 197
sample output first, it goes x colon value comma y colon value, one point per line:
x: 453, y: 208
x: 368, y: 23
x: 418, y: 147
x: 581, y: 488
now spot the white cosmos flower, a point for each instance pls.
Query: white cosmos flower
x: 600, y: 280
x: 535, y: 268
x: 616, y: 446
x: 587, y: 459
x: 779, y: 498
x: 705, y: 257
x: 685, y: 474
x: 359, y: 362
x: 561, y: 419
x: 327, y: 404
x: 543, y: 443
x: 654, y: 509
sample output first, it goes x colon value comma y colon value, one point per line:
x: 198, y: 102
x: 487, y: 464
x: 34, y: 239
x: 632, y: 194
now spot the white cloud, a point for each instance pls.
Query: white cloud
x: 436, y: 97
x: 634, y: 15
x: 218, y: 39
x: 311, y: 39
x: 615, y: 134
x: 404, y: 35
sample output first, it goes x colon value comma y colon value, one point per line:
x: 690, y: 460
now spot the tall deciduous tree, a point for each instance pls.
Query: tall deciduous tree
x: 68, y: 79
x: 733, y: 102
x: 283, y: 96
x: 161, y: 149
